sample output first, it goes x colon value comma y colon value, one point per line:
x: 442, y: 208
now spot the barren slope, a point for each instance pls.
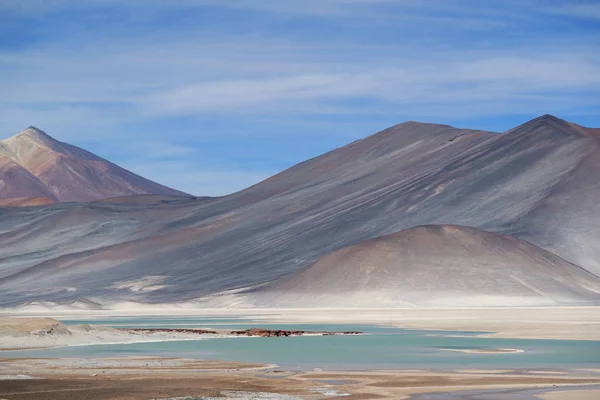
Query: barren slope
x: 25, y: 201
x: 435, y: 265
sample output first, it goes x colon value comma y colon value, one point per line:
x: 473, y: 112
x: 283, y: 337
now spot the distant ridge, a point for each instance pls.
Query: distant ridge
x: 33, y: 164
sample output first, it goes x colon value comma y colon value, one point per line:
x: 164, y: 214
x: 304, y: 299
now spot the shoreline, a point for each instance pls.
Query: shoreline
x: 47, y: 333
x: 559, y: 323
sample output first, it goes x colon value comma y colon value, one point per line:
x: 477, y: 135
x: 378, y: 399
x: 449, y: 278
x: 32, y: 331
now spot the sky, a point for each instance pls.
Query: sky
x: 211, y: 96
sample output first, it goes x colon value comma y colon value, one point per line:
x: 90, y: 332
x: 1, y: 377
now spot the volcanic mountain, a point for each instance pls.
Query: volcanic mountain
x: 34, y: 165
x: 537, y: 183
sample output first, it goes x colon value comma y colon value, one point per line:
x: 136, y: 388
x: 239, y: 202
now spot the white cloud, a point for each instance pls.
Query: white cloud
x: 586, y: 10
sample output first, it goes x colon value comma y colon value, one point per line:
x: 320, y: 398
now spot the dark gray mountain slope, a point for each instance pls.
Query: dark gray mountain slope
x: 408, y: 175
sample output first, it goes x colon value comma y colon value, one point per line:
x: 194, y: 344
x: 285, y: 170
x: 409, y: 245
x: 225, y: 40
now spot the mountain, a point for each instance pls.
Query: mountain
x: 536, y: 182
x: 435, y: 265
x: 34, y: 165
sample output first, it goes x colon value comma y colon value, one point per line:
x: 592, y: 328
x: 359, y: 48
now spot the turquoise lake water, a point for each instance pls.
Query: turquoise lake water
x: 379, y: 348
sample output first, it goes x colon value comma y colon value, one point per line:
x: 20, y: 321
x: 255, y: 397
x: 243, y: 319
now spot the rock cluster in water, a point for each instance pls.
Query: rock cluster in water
x: 279, y: 333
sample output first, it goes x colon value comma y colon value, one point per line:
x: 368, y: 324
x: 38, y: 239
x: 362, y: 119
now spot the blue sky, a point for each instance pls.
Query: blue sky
x: 211, y: 96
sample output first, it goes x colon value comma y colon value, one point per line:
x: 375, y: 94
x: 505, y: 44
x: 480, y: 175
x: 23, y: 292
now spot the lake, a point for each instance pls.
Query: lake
x: 379, y: 348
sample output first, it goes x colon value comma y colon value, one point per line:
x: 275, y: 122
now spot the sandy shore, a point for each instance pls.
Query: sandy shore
x: 581, y: 323
x: 32, y: 333
x: 162, y: 378
x: 27, y: 325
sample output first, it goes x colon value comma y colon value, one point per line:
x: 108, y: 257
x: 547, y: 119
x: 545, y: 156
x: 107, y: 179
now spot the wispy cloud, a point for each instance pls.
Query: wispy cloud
x: 306, y: 7
x: 491, y: 79
x: 585, y: 10
x: 192, y: 79
x: 144, y: 73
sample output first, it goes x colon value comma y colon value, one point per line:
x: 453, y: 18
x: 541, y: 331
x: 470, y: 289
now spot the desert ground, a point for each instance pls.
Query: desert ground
x: 164, y: 378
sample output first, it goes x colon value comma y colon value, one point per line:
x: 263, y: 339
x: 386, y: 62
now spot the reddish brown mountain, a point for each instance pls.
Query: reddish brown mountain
x: 33, y: 164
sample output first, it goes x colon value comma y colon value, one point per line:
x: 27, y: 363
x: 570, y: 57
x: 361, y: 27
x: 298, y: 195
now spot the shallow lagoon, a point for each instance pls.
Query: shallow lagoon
x: 379, y: 348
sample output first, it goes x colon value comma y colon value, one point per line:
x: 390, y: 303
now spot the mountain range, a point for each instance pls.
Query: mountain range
x: 416, y: 215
